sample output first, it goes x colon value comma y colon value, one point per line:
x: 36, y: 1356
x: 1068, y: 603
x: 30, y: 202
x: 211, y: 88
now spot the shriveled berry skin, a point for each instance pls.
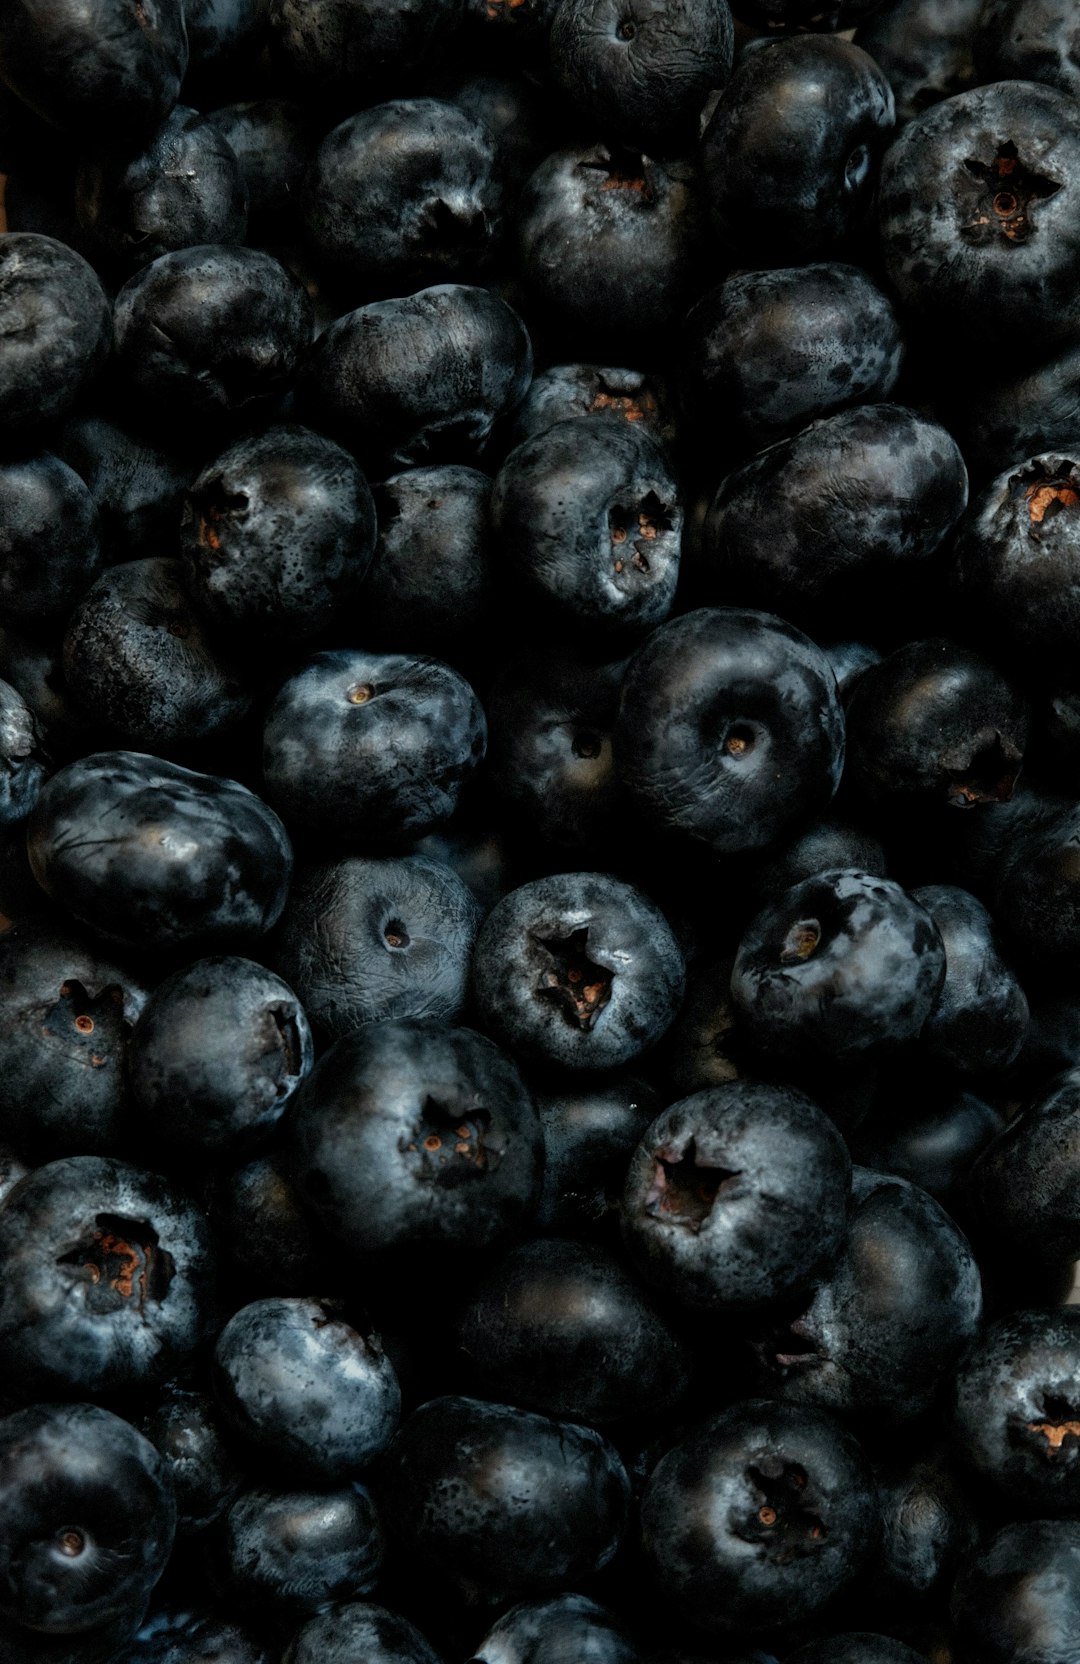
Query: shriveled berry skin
x: 102, y: 66
x: 1017, y: 1598
x: 186, y: 1428
x: 211, y: 330
x: 729, y: 728
x: 1024, y: 1187
x: 87, y: 1519
x: 1016, y: 1410
x: 432, y: 579
x: 881, y: 1333
x: 299, y: 1551
x: 402, y: 195
x: 767, y: 352
x: 358, y: 1629
x: 218, y: 1051
x: 185, y: 187
x: 938, y: 723
x: 977, y: 212
x: 146, y: 852
x: 503, y: 1500
x: 543, y: 1631
x: 643, y: 77
x: 363, y: 940
x: 577, y: 969
x: 559, y: 1326
x: 758, y: 1517
x: 587, y: 520
x: 277, y: 535
x: 372, y: 747
x: 609, y: 243
x: 107, y: 1279
x: 789, y: 158
x: 56, y: 331
x: 812, y: 525
x: 980, y: 1018
x: 857, y: 1648
x: 139, y: 657
x: 66, y: 1017
x: 303, y: 1387
x: 737, y: 1196
x: 50, y: 538
x: 421, y: 378
x: 842, y: 965
x: 416, y: 1132
x: 1018, y: 561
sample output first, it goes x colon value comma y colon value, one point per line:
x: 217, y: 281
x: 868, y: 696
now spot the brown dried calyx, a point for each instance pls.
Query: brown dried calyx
x: 684, y: 1189
x: 571, y: 980
x: 452, y: 1145
x: 122, y: 1262
x: 782, y: 1520
x: 1012, y: 188
x: 989, y: 776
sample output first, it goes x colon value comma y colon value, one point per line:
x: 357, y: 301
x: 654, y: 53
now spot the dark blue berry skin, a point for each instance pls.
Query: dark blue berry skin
x: 417, y: 379
x: 141, y: 662
x: 1023, y: 1189
x: 212, y: 332
x: 305, y: 1389
x: 590, y: 1130
x: 138, y: 486
x: 216, y: 1055
x: 1032, y: 410
x: 561, y: 1327
x: 1018, y: 562
x: 23, y: 764
x: 1029, y: 40
x: 813, y: 525
x: 363, y: 940
x: 432, y: 578
x: 66, y: 1017
x: 931, y: 1138
x: 272, y: 141
x: 185, y: 1427
x: 924, y: 49
x: 938, y: 724
x: 642, y: 76
x: 844, y: 964
x: 876, y: 1339
x: 826, y: 844
x: 587, y: 523
x: 1017, y: 1598
x: 758, y: 1517
x: 1014, y: 1411
x: 578, y: 970
x: 34, y: 669
x: 615, y: 392
x: 298, y: 1551
x: 767, y: 352
x: 608, y: 244
x: 857, y: 1648
x: 737, y: 1196
x: 87, y: 1520
x: 184, y: 188
x: 929, y: 1521
x: 357, y: 1629
x: 263, y: 1229
x: 502, y: 1500
x: 404, y: 195
x: 372, y: 747
x: 416, y: 1132
x: 566, y: 1626
x: 276, y: 536
x: 148, y: 853
x: 549, y: 758
x: 729, y: 729
x: 977, y: 213
x: 224, y: 38
x: 980, y: 1018
x: 56, y: 332
x: 1035, y: 897
x: 191, y: 1638
x: 50, y: 538
x: 790, y: 155
x: 107, y: 1279
x: 354, y: 52
x: 97, y: 68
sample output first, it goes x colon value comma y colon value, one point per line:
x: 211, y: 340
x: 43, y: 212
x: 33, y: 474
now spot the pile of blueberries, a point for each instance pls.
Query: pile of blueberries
x: 539, y: 832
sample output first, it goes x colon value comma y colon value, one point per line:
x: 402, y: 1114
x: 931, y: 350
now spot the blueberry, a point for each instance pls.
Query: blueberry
x: 590, y: 1129
x: 356, y: 1629
x: 298, y: 1551
x: 272, y: 141
x: 185, y: 1428
x: 351, y: 52
x: 50, y: 541
x: 578, y: 969
x: 1029, y: 40
x: 1016, y: 1599
x: 737, y: 1196
x: 566, y: 1626
x: 55, y: 331
x: 980, y: 1018
x: 924, y: 49
x: 1023, y: 1188
x: 617, y: 392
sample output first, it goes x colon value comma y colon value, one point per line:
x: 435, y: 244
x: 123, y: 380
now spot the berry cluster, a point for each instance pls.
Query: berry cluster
x: 539, y: 807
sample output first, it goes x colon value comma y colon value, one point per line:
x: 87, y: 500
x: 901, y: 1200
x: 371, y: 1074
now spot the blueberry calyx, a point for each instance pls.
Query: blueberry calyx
x: 1012, y: 188
x: 122, y: 1261
x: 684, y: 1190
x: 571, y: 980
